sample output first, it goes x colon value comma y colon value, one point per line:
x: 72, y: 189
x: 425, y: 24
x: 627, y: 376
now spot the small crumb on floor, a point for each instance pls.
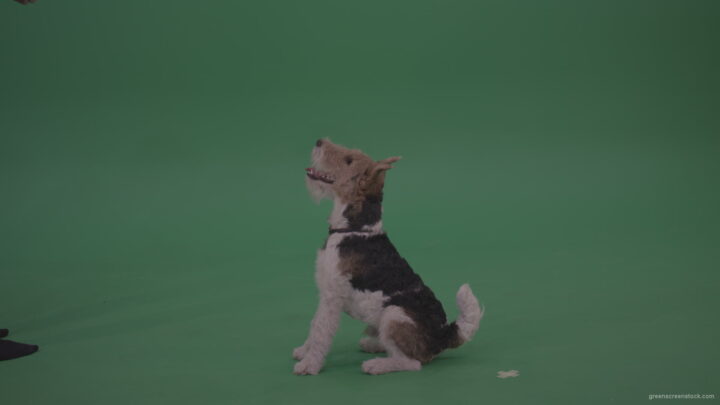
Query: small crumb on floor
x: 506, y: 374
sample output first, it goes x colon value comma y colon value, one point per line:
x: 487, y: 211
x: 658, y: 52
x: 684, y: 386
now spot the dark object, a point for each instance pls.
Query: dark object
x: 346, y: 230
x: 318, y: 143
x: 12, y: 350
x: 25, y: 1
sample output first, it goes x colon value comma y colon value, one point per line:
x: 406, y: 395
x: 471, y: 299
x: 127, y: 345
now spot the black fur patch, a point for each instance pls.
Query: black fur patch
x: 375, y: 265
x: 366, y: 212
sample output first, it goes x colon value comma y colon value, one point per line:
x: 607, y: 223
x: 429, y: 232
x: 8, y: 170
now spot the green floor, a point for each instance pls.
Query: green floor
x: 157, y: 240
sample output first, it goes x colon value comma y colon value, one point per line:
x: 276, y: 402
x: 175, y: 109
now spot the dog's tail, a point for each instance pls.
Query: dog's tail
x: 469, y: 319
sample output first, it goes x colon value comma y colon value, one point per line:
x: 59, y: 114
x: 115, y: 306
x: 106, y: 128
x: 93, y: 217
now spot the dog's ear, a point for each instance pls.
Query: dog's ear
x: 386, y: 164
x: 374, y: 179
x: 381, y: 166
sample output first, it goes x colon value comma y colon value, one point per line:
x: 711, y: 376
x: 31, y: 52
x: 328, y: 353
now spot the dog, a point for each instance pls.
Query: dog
x: 359, y: 271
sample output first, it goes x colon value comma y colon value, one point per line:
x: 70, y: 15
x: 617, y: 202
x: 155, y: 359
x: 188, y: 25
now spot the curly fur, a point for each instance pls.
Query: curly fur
x: 359, y: 271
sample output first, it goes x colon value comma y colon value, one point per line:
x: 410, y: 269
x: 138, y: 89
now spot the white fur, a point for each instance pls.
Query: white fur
x: 366, y: 306
x: 470, y: 313
x: 336, y: 295
x: 317, y: 189
x: 332, y: 287
x: 336, y: 219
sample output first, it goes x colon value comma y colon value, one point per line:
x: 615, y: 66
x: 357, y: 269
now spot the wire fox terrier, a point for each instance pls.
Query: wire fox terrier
x: 359, y: 271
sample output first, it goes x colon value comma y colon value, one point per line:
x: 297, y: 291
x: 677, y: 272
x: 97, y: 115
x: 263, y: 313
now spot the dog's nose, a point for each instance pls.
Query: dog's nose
x: 319, y: 143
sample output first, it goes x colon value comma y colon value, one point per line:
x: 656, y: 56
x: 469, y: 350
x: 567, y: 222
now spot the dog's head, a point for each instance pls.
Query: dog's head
x: 345, y: 174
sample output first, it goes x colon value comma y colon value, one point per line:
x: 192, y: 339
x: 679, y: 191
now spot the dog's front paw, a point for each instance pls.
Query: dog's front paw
x: 307, y: 367
x: 300, y: 352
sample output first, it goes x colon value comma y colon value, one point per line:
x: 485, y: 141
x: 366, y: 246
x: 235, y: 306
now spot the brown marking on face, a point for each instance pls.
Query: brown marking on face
x: 409, y: 340
x: 350, y: 174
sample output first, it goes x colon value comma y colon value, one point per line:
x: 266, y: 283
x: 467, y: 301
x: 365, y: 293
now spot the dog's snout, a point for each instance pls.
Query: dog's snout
x: 319, y: 143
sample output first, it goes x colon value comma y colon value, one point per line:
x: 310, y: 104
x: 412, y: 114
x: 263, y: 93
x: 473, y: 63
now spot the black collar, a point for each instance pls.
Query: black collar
x: 347, y: 230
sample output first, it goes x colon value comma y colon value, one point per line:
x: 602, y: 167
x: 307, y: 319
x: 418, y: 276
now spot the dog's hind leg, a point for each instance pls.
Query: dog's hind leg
x: 371, y: 343
x: 397, y: 334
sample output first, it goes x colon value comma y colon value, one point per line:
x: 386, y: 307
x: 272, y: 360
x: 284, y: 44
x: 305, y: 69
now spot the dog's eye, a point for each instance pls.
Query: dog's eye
x: 348, y: 160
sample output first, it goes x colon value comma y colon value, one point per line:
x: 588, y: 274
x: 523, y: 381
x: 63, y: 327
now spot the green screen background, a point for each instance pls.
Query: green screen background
x: 157, y: 240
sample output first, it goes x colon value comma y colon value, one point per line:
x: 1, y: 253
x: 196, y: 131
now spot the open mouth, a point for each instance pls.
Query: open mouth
x: 318, y: 175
